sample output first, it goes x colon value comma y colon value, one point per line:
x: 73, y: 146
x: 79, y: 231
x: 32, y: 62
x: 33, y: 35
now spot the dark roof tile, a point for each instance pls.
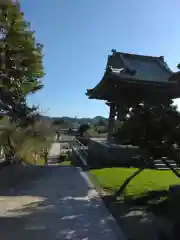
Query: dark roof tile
x: 139, y: 67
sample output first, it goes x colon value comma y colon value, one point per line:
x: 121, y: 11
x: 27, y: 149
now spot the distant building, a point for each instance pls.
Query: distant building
x: 75, y: 126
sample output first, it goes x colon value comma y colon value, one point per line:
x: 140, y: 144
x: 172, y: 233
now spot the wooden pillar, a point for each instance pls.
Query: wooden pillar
x: 119, y: 115
x: 112, y: 114
x: 121, y: 112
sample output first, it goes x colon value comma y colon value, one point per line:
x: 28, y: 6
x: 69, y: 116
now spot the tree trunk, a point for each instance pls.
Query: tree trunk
x: 9, y: 150
x: 176, y: 157
x: 172, y: 169
x: 127, y: 181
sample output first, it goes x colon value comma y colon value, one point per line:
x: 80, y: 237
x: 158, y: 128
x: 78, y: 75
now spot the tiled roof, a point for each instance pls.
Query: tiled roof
x: 139, y: 67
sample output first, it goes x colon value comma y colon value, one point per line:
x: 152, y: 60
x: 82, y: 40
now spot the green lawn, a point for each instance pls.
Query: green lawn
x: 65, y: 163
x: 111, y: 179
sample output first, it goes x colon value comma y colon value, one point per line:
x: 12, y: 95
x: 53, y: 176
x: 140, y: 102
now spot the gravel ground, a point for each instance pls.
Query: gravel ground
x: 59, y: 204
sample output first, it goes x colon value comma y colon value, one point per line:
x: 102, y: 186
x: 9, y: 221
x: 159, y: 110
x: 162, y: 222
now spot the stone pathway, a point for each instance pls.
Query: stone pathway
x: 59, y: 204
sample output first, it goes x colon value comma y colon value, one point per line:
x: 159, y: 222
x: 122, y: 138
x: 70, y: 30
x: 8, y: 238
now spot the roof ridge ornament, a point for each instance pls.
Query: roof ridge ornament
x: 113, y: 51
x: 116, y: 70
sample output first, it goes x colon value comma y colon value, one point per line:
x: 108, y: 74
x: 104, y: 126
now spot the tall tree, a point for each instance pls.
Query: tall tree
x: 155, y: 128
x: 83, y: 128
x: 21, y: 67
x: 21, y: 70
x: 151, y: 126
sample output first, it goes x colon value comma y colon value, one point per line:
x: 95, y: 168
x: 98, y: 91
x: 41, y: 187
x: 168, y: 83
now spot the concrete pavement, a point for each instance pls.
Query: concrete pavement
x: 59, y: 204
x: 55, y: 150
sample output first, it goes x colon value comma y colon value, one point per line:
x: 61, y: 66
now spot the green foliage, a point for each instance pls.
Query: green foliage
x: 102, y: 122
x: 102, y: 129
x: 155, y: 128
x: 65, y: 163
x: 83, y: 128
x: 61, y: 124
x: 89, y: 133
x: 22, y: 142
x: 58, y: 121
x: 117, y: 125
x: 152, y: 126
x: 20, y: 61
x: 110, y: 179
x: 34, y: 138
x: 22, y: 132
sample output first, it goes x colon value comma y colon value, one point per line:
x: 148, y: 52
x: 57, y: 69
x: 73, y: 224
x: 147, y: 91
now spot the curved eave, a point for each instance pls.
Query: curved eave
x: 101, y: 89
x: 175, y: 77
x: 91, y: 93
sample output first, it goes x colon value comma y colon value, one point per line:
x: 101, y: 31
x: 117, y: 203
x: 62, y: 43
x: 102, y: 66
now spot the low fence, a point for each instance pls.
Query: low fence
x: 83, y: 140
x: 79, y: 153
x: 99, y: 154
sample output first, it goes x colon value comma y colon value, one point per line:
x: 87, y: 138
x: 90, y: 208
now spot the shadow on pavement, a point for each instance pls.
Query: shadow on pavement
x: 52, y: 204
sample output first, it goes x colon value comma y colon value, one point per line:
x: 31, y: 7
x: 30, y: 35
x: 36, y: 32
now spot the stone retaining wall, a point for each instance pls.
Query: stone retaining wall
x: 100, y: 153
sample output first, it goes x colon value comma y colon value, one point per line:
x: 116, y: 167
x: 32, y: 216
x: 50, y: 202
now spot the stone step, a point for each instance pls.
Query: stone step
x: 158, y: 164
x: 160, y: 161
x: 162, y: 164
x: 166, y: 168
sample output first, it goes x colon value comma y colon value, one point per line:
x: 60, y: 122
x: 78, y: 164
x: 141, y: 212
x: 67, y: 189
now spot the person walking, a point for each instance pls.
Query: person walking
x: 45, y: 156
x: 58, y: 135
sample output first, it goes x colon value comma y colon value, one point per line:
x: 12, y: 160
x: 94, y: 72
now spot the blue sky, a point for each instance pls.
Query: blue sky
x: 79, y: 34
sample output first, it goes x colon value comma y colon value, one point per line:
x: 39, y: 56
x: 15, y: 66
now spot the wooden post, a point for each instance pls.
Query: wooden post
x: 112, y: 114
x: 121, y: 112
x: 119, y: 115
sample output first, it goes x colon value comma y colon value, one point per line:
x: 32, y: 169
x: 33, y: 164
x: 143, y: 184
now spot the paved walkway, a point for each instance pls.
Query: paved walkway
x: 55, y: 150
x: 59, y: 204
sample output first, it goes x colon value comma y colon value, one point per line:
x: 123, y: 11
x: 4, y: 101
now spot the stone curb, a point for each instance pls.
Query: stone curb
x: 111, y: 220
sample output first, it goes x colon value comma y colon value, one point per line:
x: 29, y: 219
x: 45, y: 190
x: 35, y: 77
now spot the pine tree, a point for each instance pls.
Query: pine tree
x: 21, y: 67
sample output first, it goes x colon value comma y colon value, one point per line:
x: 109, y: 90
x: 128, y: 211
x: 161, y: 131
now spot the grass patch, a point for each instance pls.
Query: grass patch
x: 65, y: 163
x: 28, y: 159
x: 111, y: 179
x: 39, y: 162
x: 145, y: 194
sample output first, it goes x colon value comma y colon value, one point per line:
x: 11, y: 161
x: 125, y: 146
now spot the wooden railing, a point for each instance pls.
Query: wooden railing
x: 81, y: 151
